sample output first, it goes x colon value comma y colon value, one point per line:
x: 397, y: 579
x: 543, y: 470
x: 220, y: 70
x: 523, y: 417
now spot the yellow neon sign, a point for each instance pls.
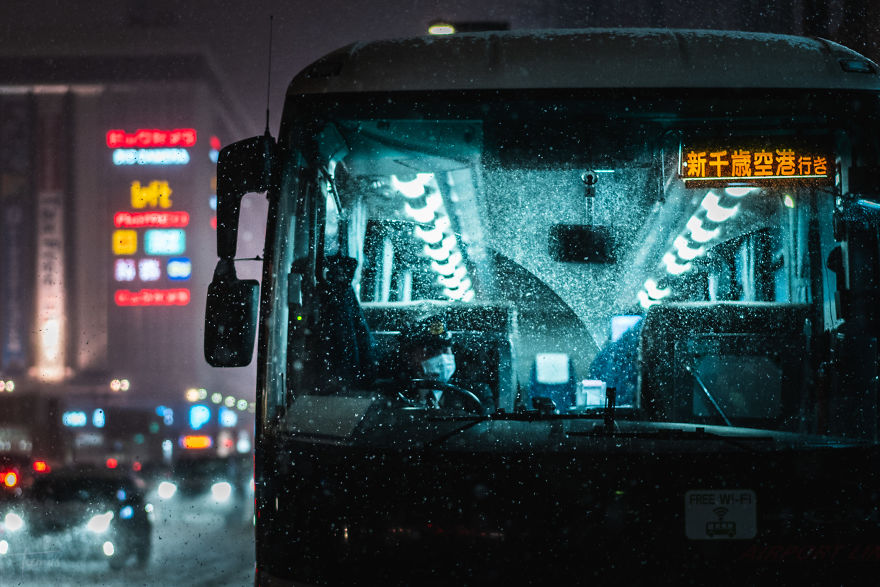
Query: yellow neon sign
x: 124, y: 242
x: 762, y: 165
x: 156, y: 194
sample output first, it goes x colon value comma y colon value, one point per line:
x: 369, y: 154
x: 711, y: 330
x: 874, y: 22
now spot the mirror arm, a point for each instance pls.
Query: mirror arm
x: 224, y: 272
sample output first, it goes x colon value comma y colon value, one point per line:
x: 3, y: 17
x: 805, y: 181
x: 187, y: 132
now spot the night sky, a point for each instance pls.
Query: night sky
x: 236, y: 32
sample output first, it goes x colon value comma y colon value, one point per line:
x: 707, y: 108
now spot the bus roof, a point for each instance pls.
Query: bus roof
x: 589, y: 58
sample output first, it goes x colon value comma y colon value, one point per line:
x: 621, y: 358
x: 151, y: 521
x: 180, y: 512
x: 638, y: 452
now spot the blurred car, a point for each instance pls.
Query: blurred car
x: 17, y: 472
x: 222, y: 485
x: 82, y: 513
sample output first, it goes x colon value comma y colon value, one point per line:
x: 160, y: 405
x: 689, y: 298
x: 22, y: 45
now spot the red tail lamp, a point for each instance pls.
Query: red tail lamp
x: 10, y: 478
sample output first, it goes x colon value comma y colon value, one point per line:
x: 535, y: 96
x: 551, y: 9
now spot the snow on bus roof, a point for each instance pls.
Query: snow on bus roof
x: 589, y: 58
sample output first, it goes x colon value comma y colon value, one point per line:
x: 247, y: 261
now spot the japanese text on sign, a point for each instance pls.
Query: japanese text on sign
x: 152, y: 137
x: 743, y: 164
x: 152, y: 297
x: 151, y: 219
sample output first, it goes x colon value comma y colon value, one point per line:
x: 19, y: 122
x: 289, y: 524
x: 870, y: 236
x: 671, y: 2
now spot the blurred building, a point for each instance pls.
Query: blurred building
x: 107, y: 180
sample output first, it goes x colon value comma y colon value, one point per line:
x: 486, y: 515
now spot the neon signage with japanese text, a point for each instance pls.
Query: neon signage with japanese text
x: 750, y: 163
x: 150, y: 157
x: 152, y: 297
x: 151, y: 219
x: 152, y: 138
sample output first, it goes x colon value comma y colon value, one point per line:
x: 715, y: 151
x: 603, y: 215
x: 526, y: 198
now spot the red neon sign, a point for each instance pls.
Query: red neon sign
x: 152, y: 297
x: 151, y: 137
x: 151, y: 219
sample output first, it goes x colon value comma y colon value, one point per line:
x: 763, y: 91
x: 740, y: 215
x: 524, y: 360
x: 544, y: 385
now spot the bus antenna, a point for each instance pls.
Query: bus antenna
x: 269, y: 74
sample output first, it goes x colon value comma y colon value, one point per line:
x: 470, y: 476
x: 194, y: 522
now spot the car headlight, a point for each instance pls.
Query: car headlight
x: 221, y: 491
x: 166, y: 489
x: 100, y: 522
x: 13, y: 522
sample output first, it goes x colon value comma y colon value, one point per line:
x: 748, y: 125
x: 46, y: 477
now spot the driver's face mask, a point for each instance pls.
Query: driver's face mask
x: 440, y: 367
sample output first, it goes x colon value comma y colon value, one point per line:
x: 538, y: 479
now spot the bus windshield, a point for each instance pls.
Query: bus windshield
x: 502, y: 270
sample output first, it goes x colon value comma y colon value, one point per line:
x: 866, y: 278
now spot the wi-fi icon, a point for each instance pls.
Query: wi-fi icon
x: 720, y: 512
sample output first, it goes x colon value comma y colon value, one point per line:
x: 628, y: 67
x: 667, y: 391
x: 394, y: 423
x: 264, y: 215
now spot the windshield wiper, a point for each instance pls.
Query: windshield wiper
x: 708, y: 395
x: 699, y: 433
x: 601, y: 430
x: 524, y: 416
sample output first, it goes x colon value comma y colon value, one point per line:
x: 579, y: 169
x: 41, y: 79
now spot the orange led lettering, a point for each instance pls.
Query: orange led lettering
x: 696, y: 164
x: 742, y: 163
x: 124, y: 242
x: 805, y: 165
x: 752, y: 161
x: 784, y: 162
x: 155, y: 195
x: 763, y: 163
x: 718, y: 162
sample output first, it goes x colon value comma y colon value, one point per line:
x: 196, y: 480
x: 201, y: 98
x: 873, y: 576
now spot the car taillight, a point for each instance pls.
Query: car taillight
x: 41, y: 467
x: 10, y: 478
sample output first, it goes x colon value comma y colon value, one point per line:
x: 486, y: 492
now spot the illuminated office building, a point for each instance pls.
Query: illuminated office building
x: 107, y: 222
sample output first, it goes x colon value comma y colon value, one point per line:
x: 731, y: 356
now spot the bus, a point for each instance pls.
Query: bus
x: 651, y: 260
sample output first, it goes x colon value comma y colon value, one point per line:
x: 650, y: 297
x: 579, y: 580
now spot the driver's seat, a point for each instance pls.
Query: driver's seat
x: 482, y: 339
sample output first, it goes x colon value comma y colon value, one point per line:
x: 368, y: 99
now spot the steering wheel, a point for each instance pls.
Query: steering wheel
x: 467, y: 399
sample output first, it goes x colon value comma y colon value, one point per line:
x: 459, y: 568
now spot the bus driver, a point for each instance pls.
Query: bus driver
x: 428, y: 365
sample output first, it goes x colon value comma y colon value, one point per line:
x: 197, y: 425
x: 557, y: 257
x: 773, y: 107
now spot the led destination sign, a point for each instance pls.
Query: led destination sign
x: 753, y: 164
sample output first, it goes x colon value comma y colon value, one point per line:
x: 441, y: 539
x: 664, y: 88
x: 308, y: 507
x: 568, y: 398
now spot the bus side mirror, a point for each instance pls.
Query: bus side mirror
x: 230, y: 317
x: 242, y: 167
